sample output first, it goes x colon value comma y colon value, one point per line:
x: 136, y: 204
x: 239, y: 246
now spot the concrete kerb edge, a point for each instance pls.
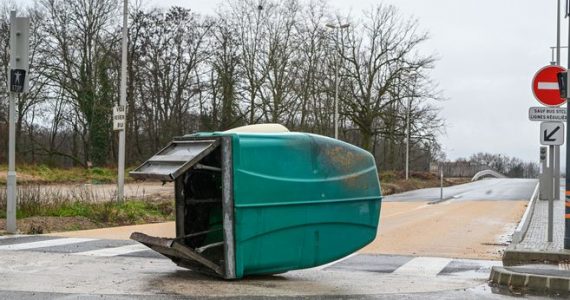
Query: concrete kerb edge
x: 525, y: 257
x: 522, y: 228
x: 522, y: 283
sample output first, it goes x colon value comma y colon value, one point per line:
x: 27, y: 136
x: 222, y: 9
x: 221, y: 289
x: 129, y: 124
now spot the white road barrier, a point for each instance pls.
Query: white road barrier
x: 522, y: 228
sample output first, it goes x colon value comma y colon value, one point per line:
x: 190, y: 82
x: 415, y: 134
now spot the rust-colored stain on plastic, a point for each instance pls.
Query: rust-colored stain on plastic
x: 345, y: 162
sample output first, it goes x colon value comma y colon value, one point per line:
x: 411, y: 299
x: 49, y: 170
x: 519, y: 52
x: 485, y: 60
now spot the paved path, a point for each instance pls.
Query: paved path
x: 537, y: 234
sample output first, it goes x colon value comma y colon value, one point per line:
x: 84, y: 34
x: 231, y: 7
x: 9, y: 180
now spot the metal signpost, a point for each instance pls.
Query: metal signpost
x: 123, y: 103
x: 567, y: 179
x: 18, y: 82
x: 546, y: 89
x: 551, y: 134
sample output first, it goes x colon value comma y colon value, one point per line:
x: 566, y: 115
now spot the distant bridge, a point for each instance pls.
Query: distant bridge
x: 487, y: 173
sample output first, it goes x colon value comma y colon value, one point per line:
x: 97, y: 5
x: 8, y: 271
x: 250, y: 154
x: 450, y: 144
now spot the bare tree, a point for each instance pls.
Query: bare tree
x: 255, y: 61
x: 171, y: 50
x: 377, y: 61
x: 81, y: 43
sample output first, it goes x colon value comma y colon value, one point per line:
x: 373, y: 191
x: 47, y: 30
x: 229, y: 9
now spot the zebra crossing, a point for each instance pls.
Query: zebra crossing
x: 417, y: 266
x: 76, y: 246
x: 388, y: 264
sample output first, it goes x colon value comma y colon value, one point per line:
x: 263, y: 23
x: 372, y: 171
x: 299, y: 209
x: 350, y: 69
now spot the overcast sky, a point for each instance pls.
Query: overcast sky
x: 489, y: 51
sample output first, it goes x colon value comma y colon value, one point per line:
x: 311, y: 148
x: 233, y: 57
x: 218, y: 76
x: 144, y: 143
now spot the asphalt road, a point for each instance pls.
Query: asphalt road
x: 426, y: 242
x: 487, y: 190
x: 37, y: 267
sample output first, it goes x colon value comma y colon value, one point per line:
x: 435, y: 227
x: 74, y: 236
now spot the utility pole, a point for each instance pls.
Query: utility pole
x: 17, y: 83
x: 408, y: 137
x: 567, y: 179
x: 554, y: 151
x: 123, y: 103
x: 556, y: 169
x: 338, y: 28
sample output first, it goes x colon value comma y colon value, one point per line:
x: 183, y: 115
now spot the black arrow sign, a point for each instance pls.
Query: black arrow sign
x: 548, y: 137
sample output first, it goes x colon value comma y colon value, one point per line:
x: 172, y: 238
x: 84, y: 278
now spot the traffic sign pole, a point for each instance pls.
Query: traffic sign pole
x: 551, y: 194
x: 11, y: 224
x: 123, y: 103
x: 17, y: 83
x: 11, y: 188
x: 546, y: 86
x: 557, y: 148
x: 567, y: 179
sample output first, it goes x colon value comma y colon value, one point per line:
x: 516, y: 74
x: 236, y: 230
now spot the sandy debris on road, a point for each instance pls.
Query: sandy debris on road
x: 167, y: 230
x: 462, y: 229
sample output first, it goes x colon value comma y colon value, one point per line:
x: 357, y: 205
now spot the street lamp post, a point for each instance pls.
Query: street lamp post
x: 408, y: 137
x: 337, y: 28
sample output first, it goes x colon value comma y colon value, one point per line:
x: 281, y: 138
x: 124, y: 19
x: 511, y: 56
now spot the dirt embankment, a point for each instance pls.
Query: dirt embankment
x: 395, y: 182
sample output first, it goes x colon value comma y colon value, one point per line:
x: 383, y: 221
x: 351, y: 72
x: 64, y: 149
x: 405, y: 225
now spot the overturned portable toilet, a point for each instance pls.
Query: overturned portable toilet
x: 264, y: 203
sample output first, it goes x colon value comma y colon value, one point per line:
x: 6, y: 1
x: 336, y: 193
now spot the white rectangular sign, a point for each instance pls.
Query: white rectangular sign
x: 552, y: 133
x: 542, y: 113
x: 119, y: 117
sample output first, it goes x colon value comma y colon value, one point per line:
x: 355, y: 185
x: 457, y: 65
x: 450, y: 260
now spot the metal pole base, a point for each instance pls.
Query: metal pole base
x: 11, y: 192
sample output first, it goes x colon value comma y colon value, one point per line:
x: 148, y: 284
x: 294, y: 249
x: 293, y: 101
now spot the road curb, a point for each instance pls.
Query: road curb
x: 522, y: 228
x: 513, y: 257
x: 524, y: 283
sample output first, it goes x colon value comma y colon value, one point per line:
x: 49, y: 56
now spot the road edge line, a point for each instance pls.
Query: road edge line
x: 522, y: 228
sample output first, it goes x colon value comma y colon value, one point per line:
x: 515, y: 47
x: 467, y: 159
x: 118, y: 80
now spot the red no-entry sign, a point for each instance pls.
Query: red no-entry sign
x: 545, y: 86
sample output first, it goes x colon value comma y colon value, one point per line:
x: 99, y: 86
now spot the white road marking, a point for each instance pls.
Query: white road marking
x: 115, y: 251
x: 43, y: 244
x: 424, y: 266
x: 548, y: 86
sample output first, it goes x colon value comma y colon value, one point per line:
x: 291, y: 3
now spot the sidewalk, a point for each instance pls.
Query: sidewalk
x: 537, y: 234
x: 534, y: 265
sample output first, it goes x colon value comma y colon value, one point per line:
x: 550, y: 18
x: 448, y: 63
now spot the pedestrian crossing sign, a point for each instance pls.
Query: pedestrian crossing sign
x: 17, y: 80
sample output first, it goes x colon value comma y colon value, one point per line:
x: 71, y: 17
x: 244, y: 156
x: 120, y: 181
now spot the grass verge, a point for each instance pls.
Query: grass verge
x: 42, y: 211
x: 42, y: 174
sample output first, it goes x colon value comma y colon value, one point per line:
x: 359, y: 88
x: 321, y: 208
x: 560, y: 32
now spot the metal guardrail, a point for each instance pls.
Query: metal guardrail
x: 522, y: 228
